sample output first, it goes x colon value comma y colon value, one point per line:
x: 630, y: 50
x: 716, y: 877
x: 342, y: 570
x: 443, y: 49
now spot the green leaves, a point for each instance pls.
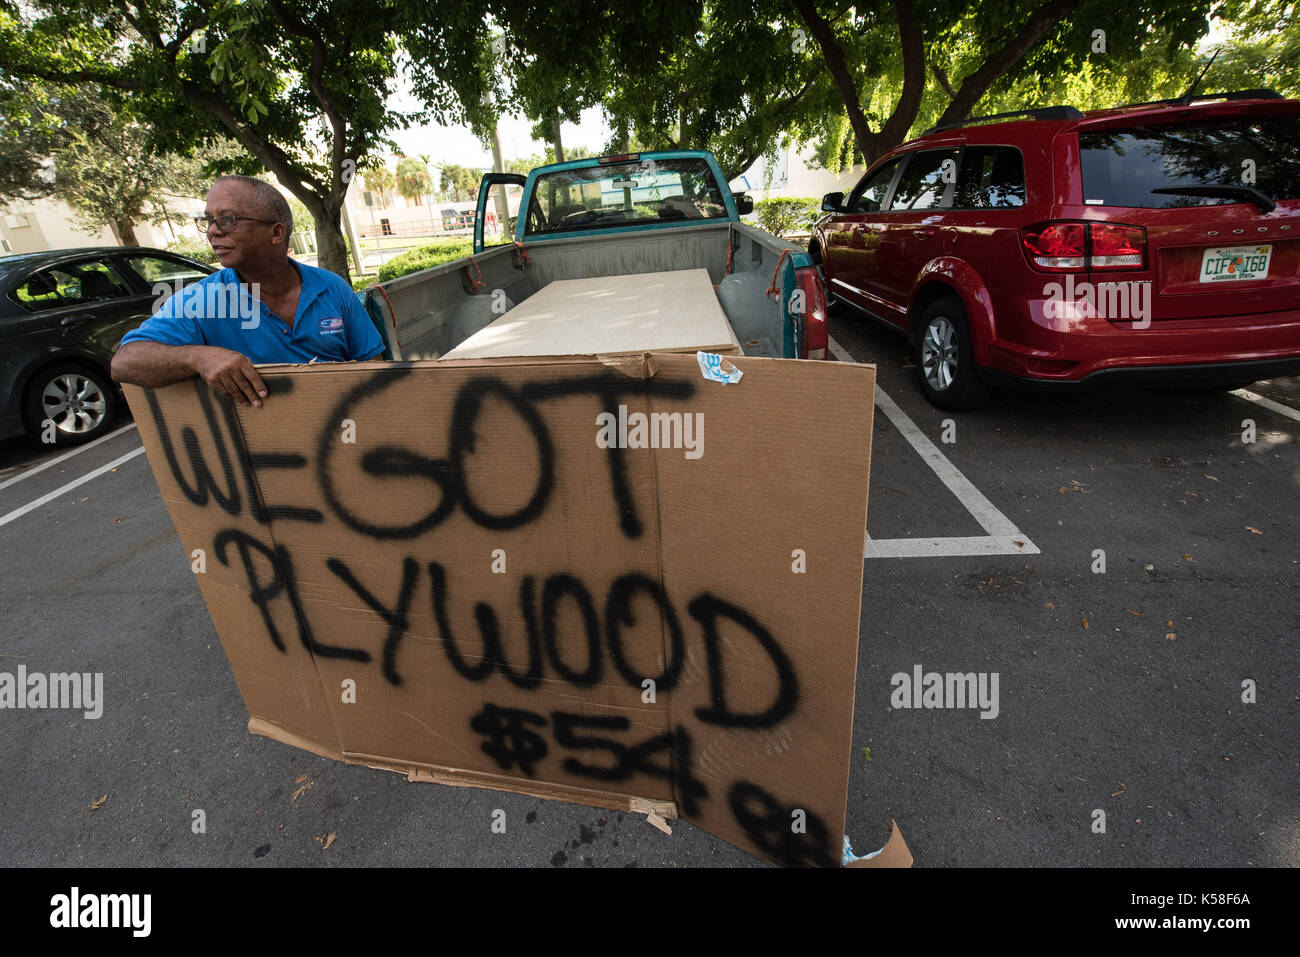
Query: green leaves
x: 239, y: 59
x: 412, y: 179
x: 303, y: 85
x: 103, y: 163
x: 783, y: 216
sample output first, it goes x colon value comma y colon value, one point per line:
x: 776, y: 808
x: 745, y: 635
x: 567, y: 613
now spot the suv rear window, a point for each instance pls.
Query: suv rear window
x: 1122, y: 167
x: 991, y: 177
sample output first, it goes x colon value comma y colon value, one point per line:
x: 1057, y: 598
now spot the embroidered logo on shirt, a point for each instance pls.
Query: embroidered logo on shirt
x: 331, y: 326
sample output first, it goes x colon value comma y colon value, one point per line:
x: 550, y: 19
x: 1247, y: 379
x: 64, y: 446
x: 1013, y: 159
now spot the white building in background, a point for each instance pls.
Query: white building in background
x: 792, y: 175
x: 376, y: 216
x: 32, y: 226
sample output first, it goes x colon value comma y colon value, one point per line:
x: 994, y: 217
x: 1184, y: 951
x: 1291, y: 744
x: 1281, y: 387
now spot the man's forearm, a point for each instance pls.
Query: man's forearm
x: 153, y: 364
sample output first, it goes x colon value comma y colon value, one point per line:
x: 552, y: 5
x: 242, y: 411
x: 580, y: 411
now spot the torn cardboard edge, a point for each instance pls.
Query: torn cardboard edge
x: 895, y: 853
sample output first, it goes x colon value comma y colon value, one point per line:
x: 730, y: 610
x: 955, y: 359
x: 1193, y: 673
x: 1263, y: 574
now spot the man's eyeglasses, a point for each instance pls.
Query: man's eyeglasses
x: 227, y: 224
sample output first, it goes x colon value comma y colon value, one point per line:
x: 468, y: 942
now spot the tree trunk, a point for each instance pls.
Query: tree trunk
x: 872, y: 143
x: 996, y: 65
x: 331, y: 247
x: 559, y: 146
x: 124, y: 229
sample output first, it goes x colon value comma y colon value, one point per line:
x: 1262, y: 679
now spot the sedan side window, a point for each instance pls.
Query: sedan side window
x: 154, y: 269
x: 38, y: 292
x: 83, y: 283
x: 870, y: 195
x: 927, y: 180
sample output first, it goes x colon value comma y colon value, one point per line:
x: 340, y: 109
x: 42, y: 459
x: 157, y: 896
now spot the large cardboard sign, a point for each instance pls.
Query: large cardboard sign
x: 612, y: 582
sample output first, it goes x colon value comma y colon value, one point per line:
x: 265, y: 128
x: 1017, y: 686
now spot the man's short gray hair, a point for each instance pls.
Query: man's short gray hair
x: 270, y: 201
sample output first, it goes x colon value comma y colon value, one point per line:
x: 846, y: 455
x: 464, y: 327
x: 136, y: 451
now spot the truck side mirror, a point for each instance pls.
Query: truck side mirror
x: 744, y: 203
x: 832, y: 202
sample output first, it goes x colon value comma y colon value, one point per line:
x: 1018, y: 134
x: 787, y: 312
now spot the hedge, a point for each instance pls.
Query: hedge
x: 791, y: 215
x: 194, y: 249
x: 425, y: 257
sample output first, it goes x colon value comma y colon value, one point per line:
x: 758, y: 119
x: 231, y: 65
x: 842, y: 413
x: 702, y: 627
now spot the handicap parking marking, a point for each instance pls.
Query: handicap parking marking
x: 1266, y: 403
x: 1002, y: 538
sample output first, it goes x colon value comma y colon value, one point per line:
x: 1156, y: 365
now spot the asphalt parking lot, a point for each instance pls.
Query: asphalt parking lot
x: 1120, y: 691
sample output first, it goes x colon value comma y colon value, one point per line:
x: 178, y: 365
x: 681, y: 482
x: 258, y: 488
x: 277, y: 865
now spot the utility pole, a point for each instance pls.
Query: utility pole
x: 499, y: 194
x: 352, y: 236
x: 559, y: 147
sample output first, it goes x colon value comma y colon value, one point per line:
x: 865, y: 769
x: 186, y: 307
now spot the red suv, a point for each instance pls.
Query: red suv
x: 1148, y: 245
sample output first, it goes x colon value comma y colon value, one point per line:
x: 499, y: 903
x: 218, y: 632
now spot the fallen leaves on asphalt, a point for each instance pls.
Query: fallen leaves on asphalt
x: 94, y: 806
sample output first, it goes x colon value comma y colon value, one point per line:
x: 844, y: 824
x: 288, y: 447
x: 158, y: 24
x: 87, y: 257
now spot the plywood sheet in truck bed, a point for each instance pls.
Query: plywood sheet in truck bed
x: 675, y: 311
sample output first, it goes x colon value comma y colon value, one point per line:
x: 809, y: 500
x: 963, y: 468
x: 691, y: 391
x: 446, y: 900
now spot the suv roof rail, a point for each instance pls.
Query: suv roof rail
x: 1039, y: 113
x: 1262, y: 93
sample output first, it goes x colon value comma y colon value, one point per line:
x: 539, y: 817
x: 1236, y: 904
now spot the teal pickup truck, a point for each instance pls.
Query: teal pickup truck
x: 610, y: 216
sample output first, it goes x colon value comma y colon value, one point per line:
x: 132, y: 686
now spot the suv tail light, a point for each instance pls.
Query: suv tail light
x: 1117, y: 247
x: 1055, y: 245
x: 1070, y: 246
x: 816, y: 330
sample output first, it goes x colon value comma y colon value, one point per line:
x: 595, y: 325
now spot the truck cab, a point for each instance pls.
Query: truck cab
x: 619, y: 215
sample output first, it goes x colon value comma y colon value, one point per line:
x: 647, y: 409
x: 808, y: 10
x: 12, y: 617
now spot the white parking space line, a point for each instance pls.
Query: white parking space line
x: 51, y: 496
x: 66, y: 455
x: 1003, y: 537
x: 948, y: 547
x: 1267, y: 403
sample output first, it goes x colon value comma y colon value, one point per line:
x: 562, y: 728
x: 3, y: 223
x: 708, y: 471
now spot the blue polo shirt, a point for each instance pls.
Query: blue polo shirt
x: 219, y: 310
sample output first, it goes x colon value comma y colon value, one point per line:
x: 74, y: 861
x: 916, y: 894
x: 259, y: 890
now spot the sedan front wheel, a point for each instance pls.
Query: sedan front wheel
x: 68, y: 404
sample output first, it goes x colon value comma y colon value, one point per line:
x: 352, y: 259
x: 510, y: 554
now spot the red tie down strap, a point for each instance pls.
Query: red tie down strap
x: 523, y: 252
x: 774, y: 290
x: 391, y: 311
x: 731, y: 251
x: 477, y: 283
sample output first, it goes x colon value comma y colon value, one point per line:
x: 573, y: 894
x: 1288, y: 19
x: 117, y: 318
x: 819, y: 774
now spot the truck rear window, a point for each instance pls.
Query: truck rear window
x: 1122, y: 167
x: 625, y: 194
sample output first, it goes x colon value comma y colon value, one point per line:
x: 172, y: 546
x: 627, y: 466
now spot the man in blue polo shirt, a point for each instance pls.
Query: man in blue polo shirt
x: 261, y: 307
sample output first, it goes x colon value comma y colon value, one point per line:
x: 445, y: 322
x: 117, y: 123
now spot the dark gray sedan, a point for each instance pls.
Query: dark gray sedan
x: 62, y: 316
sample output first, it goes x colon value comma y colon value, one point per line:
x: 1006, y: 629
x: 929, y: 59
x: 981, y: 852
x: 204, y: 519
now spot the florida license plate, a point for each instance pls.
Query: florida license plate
x: 1235, y: 263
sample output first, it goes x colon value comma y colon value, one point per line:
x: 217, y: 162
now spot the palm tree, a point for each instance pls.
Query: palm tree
x: 413, y: 180
x: 380, y: 180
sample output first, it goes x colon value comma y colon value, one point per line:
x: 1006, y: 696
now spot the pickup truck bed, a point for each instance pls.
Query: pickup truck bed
x: 610, y: 315
x: 427, y: 314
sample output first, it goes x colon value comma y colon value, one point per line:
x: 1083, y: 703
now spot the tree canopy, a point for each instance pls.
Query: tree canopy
x: 71, y: 144
x: 307, y: 87
x: 303, y: 86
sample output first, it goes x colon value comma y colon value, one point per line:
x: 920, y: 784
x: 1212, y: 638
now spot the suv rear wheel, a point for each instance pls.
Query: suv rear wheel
x: 945, y: 360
